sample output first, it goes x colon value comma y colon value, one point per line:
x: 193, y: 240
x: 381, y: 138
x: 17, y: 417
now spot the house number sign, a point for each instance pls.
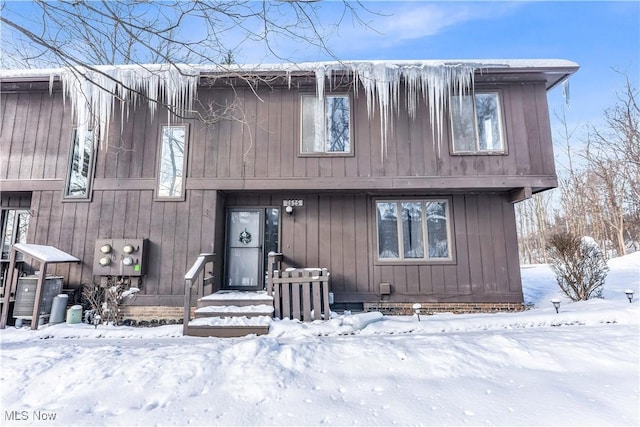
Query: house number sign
x: 294, y: 203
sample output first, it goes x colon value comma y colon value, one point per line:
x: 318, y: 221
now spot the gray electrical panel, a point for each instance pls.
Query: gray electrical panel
x: 120, y: 257
x: 26, y: 295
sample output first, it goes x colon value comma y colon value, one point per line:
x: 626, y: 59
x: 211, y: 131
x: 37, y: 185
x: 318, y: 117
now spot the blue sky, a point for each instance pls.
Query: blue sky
x: 600, y: 36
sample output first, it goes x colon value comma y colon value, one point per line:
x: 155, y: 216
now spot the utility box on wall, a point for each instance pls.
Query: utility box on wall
x: 120, y: 257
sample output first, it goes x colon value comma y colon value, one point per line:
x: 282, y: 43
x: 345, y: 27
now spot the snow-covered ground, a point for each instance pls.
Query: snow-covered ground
x: 579, y: 367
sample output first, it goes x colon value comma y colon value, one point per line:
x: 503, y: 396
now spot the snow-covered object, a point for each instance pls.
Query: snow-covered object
x: 361, y: 320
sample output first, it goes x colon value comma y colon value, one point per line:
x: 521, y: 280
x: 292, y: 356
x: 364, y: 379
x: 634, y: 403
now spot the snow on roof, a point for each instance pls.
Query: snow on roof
x: 480, y: 64
x: 48, y: 254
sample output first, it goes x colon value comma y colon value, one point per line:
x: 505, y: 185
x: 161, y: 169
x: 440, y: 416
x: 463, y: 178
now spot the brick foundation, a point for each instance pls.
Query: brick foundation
x: 404, y: 308
x: 151, y: 312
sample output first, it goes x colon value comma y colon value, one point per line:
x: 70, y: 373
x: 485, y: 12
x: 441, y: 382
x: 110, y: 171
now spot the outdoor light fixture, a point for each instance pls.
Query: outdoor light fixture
x: 128, y: 249
x: 556, y: 303
x: 104, y: 261
x: 629, y: 294
x: 105, y: 249
x: 289, y: 210
x: 127, y: 260
x: 416, y: 307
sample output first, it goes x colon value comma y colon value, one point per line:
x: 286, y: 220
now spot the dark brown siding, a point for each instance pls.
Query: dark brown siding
x: 263, y: 143
x: 253, y: 160
x: 337, y: 232
x: 175, y: 232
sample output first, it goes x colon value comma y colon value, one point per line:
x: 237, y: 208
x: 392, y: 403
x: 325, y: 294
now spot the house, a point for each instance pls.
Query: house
x: 399, y: 178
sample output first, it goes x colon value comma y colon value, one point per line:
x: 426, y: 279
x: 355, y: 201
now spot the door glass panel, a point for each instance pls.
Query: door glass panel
x: 243, y: 264
x: 244, y: 230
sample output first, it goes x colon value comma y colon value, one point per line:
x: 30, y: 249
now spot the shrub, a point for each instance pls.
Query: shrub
x: 104, y: 301
x: 579, y: 265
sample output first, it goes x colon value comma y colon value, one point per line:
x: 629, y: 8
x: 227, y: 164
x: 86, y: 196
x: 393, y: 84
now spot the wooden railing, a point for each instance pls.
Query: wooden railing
x: 197, y: 275
x: 298, y: 293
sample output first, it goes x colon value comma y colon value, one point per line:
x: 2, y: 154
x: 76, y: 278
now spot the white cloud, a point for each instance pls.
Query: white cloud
x: 392, y: 23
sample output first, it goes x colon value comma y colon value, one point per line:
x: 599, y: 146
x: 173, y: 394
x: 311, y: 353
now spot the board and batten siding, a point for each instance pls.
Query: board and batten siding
x: 263, y: 142
x: 337, y: 232
x: 177, y: 233
x: 254, y: 161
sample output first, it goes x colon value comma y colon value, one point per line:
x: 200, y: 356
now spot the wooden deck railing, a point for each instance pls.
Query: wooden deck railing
x: 197, y: 275
x: 298, y: 293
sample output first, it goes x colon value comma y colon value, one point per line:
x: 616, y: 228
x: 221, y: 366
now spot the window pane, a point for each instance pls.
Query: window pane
x: 172, y: 161
x: 7, y: 232
x: 437, y: 229
x: 413, y: 243
x: 23, y: 225
x: 312, y: 124
x: 80, y: 168
x: 337, y: 109
x: 15, y: 224
x: 488, y: 121
x: 387, y: 230
x: 464, y: 138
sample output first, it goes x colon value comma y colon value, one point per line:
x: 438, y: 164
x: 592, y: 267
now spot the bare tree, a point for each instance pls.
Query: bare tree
x: 613, y: 154
x: 84, y: 34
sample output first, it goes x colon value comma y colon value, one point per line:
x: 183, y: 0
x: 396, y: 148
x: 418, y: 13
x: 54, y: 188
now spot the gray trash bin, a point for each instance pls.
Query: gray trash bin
x: 58, y: 309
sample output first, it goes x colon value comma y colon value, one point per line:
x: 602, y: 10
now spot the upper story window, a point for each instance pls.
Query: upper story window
x: 326, y: 125
x: 416, y: 230
x: 172, y: 163
x: 81, y: 164
x: 476, y: 121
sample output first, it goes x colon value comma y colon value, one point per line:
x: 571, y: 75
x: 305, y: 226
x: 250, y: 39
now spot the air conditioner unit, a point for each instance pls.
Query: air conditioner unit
x: 26, y: 295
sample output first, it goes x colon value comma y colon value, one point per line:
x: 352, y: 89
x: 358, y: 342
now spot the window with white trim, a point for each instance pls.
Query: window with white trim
x: 326, y: 125
x: 476, y: 123
x: 413, y: 230
x: 81, y: 164
x: 172, y: 163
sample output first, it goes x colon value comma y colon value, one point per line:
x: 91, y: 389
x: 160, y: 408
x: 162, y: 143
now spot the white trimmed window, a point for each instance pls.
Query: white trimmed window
x: 172, y: 163
x: 476, y: 122
x: 326, y: 125
x: 81, y: 164
x: 413, y: 230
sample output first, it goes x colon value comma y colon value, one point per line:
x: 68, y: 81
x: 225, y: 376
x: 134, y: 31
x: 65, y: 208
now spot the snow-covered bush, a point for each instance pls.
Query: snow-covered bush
x: 579, y: 265
x: 104, y: 300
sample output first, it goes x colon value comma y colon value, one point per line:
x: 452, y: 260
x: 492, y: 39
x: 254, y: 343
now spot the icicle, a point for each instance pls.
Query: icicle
x: 93, y: 93
x: 565, y: 92
x: 381, y: 81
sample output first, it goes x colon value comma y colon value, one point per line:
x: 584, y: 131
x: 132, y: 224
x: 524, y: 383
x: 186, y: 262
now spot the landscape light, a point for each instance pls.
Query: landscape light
x: 416, y: 307
x: 629, y: 294
x: 556, y: 303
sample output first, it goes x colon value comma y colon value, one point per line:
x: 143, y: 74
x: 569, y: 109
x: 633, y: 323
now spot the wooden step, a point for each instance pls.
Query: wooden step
x: 226, y: 327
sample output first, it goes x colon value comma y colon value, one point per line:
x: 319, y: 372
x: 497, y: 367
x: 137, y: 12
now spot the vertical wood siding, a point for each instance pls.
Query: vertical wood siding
x: 332, y: 230
x: 337, y: 232
x: 264, y: 141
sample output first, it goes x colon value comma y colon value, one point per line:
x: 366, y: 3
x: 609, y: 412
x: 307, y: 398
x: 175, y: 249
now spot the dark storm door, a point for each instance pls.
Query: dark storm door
x: 251, y: 234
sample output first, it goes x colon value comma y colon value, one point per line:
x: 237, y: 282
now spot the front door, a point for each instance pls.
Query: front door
x: 251, y: 234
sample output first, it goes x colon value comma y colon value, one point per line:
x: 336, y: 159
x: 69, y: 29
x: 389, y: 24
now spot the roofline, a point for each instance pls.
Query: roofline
x: 556, y: 70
